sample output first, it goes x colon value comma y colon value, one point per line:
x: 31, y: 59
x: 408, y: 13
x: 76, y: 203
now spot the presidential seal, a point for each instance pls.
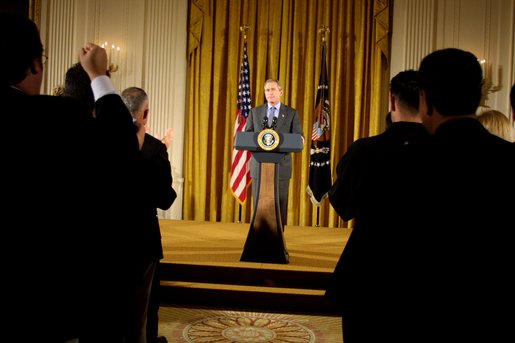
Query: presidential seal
x: 268, y: 139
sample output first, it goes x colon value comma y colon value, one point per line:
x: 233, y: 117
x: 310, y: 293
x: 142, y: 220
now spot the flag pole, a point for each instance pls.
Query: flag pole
x: 243, y: 30
x: 323, y: 29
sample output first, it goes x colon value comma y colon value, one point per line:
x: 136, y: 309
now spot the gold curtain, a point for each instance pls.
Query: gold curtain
x: 284, y: 43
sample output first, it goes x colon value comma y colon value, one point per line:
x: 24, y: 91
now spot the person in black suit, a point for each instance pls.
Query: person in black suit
x: 140, y: 273
x: 440, y: 230
x: 352, y: 195
x: 467, y: 176
x: 64, y: 172
x: 157, y: 181
x: 274, y: 114
x: 159, y: 193
x: 77, y: 85
x: 406, y: 128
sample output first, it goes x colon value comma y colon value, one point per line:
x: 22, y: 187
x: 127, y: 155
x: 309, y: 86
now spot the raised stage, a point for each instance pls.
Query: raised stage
x: 202, y: 266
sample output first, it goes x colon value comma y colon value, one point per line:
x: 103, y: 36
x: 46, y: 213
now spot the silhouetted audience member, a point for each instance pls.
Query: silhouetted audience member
x: 77, y: 85
x: 468, y: 218
x: 439, y: 246
x: 512, y: 100
x: 358, y: 283
x: 346, y: 192
x: 64, y: 174
x: 134, y: 291
x: 498, y: 124
x: 157, y: 180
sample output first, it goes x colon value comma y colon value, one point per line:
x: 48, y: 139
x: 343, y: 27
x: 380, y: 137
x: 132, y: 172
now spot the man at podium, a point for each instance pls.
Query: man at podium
x: 281, y: 118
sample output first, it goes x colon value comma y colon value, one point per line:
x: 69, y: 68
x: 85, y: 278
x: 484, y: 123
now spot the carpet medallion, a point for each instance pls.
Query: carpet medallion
x: 226, y: 326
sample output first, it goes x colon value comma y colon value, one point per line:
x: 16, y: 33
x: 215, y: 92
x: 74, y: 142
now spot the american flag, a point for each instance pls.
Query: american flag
x: 319, y: 167
x: 240, y: 171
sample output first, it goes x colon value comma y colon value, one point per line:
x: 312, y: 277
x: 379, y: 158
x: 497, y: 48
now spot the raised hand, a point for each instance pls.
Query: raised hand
x: 93, y: 59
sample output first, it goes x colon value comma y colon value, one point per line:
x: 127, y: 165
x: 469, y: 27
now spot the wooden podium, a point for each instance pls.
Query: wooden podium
x: 265, y: 240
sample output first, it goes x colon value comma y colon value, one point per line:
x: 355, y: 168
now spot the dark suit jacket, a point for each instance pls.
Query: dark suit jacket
x: 468, y: 259
x: 365, y: 190
x: 432, y: 235
x: 288, y: 121
x: 64, y: 178
x: 157, y: 182
x: 365, y: 155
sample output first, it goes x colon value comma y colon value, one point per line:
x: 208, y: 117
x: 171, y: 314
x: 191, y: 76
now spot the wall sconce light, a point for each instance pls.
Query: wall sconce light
x: 488, y: 86
x: 113, y: 56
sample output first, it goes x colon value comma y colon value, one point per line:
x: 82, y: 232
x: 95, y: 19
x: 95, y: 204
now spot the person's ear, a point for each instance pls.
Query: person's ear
x: 424, y: 103
x: 33, y: 68
x: 392, y: 103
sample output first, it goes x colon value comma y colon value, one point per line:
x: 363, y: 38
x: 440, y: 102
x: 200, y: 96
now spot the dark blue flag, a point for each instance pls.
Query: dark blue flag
x: 320, y: 156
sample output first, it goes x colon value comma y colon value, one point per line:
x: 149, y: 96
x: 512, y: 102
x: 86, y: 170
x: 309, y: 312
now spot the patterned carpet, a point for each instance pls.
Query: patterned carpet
x: 200, y: 325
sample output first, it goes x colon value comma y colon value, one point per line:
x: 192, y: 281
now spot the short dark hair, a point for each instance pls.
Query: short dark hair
x: 452, y: 81
x: 77, y: 85
x: 404, y: 87
x: 512, y: 98
x: 21, y: 45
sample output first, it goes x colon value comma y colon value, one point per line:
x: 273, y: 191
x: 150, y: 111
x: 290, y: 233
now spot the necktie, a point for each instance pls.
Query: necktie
x: 271, y: 116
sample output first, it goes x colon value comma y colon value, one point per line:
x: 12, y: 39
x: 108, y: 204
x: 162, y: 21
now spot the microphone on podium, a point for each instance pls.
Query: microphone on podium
x: 265, y: 122
x: 274, y: 123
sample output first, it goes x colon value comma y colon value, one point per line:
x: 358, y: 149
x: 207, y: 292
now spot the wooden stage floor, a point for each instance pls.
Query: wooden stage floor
x: 206, y: 281
x: 221, y: 244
